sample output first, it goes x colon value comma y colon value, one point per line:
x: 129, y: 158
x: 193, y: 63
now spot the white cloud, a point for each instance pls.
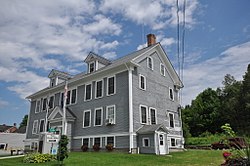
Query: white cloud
x: 210, y: 73
x: 3, y: 103
x: 110, y: 55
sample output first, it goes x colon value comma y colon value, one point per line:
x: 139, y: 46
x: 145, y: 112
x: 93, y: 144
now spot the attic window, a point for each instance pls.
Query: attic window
x: 91, y: 67
x: 53, y: 82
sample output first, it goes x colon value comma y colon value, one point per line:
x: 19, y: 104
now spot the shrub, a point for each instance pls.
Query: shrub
x: 38, y: 158
x: 62, y: 149
x: 109, y: 147
x: 84, y: 148
x: 96, y: 147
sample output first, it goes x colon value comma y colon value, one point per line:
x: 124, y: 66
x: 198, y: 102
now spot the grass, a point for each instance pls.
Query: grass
x: 188, y: 158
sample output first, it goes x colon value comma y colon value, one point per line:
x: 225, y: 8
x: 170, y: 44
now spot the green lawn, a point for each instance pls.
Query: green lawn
x: 190, y: 157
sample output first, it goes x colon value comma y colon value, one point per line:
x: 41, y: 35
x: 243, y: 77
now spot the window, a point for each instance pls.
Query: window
x: 110, y: 85
x: 142, y: 82
x: 143, y: 114
x: 150, y: 63
x: 86, y: 118
x: 110, y: 112
x: 172, y: 142
x: 171, y: 120
x: 171, y: 94
x: 162, y: 69
x: 145, y: 142
x: 153, y: 115
x: 38, y: 104
x: 97, y: 141
x: 53, y: 82
x: 68, y: 97
x: 85, y: 142
x: 98, y: 117
x: 161, y: 139
x: 35, y: 126
x: 73, y: 97
x: 44, y: 104
x: 91, y: 67
x: 41, y: 126
x: 88, y: 90
x: 98, y: 88
x: 110, y: 140
x: 62, y: 98
x: 51, y: 102
x: 34, y: 146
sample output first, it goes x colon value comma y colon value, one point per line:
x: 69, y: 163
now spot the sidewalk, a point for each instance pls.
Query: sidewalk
x: 7, y: 157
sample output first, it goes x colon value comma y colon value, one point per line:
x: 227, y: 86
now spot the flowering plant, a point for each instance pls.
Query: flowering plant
x: 226, y: 155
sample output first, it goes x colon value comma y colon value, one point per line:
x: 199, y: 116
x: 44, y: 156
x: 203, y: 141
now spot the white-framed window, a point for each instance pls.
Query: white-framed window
x: 38, y: 105
x: 88, y: 92
x: 110, y: 113
x: 111, y: 85
x: 91, y: 67
x: 142, y: 82
x: 86, y: 118
x: 51, y: 102
x: 171, y: 120
x: 144, y: 115
x: 173, y: 142
x: 110, y: 140
x: 44, y: 104
x: 153, y: 115
x: 68, y: 97
x: 97, y: 141
x: 150, y: 63
x: 98, y: 116
x: 34, y: 146
x: 145, y: 142
x: 162, y: 69
x: 53, y: 82
x: 99, y: 89
x: 73, y: 96
x: 41, y: 125
x: 171, y: 94
x: 85, y: 141
x: 35, y: 127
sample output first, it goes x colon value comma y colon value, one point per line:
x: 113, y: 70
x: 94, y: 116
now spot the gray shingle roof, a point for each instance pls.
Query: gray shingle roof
x: 151, y: 129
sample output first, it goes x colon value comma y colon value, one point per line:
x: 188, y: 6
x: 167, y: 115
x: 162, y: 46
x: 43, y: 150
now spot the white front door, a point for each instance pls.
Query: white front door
x: 162, y: 144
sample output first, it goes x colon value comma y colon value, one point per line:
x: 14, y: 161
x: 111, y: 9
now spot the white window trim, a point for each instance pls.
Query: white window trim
x: 152, y: 61
x: 114, y: 85
x: 86, y: 92
x: 100, y: 108
x: 93, y: 142
x: 171, y: 142
x: 169, y: 119
x: 53, y: 104
x: 42, y: 110
x: 33, y: 127
x: 106, y: 140
x: 72, y: 95
x: 39, y: 106
x: 89, y: 67
x: 84, y: 119
x: 164, y: 71
x: 155, y: 115
x: 146, y: 114
x: 114, y: 112
x: 145, y: 82
x: 96, y: 89
x: 88, y: 141
x: 43, y: 125
x: 172, y: 93
x: 143, y: 143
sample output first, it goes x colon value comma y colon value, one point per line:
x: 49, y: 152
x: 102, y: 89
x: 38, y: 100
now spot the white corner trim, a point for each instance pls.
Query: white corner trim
x: 130, y: 92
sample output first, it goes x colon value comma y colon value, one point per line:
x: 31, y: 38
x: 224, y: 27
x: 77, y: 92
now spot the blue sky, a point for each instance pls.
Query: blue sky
x: 38, y: 36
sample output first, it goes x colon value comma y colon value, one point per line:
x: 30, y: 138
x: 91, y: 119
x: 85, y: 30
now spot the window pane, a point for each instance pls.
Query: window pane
x: 62, y: 98
x: 171, y: 117
x: 51, y: 102
x: 110, y: 140
x: 171, y: 96
x: 85, y: 141
x: 111, y: 112
x: 172, y: 142
x: 38, y: 103
x: 86, y: 119
x: 143, y: 115
x: 142, y: 82
x: 153, y: 118
x: 68, y: 97
x: 111, y: 85
x: 41, y: 126
x: 44, y: 103
x: 98, y: 88
x: 98, y: 117
x: 88, y: 92
x: 91, y: 67
x: 73, y: 97
x: 97, y: 141
x: 161, y: 140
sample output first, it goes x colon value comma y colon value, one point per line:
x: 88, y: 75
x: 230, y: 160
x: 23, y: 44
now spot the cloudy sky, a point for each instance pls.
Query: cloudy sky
x: 37, y: 36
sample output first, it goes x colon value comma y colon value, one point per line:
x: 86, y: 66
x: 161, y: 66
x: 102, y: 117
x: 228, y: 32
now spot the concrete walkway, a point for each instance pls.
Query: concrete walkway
x: 7, y: 157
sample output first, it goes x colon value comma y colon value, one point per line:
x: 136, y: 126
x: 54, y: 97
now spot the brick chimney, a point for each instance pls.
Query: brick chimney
x: 151, y: 39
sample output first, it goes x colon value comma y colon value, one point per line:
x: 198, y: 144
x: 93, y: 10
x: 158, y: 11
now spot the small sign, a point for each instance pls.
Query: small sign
x: 52, y: 129
x: 53, y: 138
x: 54, y: 151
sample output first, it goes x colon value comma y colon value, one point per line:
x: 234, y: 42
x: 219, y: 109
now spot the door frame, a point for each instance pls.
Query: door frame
x: 157, y: 143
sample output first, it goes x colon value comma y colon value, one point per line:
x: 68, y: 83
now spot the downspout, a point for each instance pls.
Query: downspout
x: 130, y: 94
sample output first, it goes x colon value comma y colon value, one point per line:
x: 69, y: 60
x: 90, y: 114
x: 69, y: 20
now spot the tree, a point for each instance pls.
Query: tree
x: 24, y: 121
x: 62, y: 149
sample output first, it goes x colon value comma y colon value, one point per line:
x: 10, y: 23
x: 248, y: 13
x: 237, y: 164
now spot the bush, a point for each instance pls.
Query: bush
x: 38, y: 158
x: 96, y: 147
x: 84, y: 148
x: 204, y: 139
x: 109, y: 147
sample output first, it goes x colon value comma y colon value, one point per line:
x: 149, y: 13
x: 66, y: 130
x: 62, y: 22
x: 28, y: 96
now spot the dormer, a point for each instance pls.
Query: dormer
x: 57, y: 77
x: 95, y: 62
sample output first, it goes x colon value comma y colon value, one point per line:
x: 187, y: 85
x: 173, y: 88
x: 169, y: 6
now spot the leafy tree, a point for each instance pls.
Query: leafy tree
x: 24, y: 121
x: 62, y: 149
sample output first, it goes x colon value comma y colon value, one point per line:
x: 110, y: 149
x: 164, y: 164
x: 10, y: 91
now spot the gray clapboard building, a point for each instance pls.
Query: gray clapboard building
x: 131, y: 102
